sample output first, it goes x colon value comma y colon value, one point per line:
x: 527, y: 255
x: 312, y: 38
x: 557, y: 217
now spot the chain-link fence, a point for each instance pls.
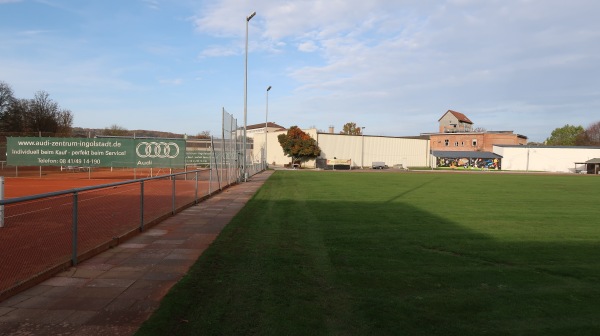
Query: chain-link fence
x: 43, y: 234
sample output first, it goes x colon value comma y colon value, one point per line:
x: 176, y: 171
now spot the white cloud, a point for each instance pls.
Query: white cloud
x: 308, y: 46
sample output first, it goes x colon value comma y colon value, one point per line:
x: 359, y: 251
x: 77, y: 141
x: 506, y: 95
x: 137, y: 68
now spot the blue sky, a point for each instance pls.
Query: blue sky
x: 394, y: 67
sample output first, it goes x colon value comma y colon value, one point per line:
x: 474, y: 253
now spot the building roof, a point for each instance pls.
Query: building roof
x: 446, y: 134
x: 459, y: 116
x: 262, y: 125
x: 596, y: 160
x: 465, y: 154
x: 409, y: 137
x: 546, y: 146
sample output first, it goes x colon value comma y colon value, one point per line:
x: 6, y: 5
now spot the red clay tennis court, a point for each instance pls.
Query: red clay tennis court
x: 38, y: 235
x: 18, y: 187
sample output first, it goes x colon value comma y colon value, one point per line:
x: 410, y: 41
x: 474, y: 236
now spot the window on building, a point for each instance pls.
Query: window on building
x: 456, y: 144
x: 462, y: 143
x: 474, y: 143
x: 447, y: 142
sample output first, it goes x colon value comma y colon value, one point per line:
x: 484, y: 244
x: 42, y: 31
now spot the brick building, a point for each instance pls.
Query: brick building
x: 457, y: 139
x: 474, y: 141
x: 456, y: 134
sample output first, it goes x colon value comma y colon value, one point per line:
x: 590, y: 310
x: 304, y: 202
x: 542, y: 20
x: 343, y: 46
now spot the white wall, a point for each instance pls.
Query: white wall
x: 364, y: 150
x: 274, y: 150
x: 545, y: 158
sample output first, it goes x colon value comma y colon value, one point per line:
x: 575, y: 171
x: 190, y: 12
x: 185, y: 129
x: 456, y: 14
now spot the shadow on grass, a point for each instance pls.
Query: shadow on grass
x: 378, y: 268
x: 418, y: 187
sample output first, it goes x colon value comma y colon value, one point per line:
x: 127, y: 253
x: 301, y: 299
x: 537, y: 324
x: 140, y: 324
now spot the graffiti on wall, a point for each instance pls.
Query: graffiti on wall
x: 468, y: 163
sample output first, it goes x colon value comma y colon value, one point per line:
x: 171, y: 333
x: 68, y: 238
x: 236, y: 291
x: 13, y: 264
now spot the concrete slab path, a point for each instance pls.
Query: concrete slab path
x: 114, y: 292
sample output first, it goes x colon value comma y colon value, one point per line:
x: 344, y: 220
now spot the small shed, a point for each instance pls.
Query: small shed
x: 592, y: 166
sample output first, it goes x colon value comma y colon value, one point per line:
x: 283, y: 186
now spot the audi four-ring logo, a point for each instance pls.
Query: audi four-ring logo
x: 161, y: 150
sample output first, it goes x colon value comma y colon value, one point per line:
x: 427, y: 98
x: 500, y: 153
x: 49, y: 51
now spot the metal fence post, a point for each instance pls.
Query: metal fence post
x: 223, y: 142
x: 141, y: 205
x: 216, y: 163
x: 1, y: 198
x: 196, y: 191
x: 74, y: 239
x: 173, y: 177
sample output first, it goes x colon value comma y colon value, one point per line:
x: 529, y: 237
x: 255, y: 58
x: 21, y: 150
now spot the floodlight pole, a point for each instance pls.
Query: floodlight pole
x: 244, y: 151
x: 267, y: 128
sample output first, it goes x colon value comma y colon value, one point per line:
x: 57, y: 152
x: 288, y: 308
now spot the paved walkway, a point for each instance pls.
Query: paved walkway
x: 114, y: 292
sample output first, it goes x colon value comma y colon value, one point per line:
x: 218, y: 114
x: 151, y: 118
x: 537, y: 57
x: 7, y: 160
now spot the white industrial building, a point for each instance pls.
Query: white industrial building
x: 563, y: 159
x: 361, y: 150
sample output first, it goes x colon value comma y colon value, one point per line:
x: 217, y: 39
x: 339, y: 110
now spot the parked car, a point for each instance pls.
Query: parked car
x: 379, y: 165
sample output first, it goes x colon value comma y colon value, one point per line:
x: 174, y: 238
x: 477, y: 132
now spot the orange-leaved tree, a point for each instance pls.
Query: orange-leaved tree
x: 298, y: 145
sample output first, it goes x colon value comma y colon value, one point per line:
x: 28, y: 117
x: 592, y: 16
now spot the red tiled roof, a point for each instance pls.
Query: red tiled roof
x: 459, y: 116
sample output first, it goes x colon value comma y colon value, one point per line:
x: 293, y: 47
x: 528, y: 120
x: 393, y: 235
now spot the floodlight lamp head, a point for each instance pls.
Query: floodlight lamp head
x: 269, y: 88
x: 250, y: 16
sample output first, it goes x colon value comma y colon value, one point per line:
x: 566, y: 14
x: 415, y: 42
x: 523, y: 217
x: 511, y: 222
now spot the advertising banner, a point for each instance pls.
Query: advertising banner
x: 332, y: 162
x: 197, y: 157
x: 97, y: 152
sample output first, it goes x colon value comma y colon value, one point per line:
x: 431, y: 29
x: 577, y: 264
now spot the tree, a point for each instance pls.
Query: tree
x: 351, y: 129
x: 43, y: 114
x: 6, y: 97
x: 6, y: 100
x: 564, y: 136
x: 64, y: 119
x: 40, y: 114
x: 54, y: 118
x: 298, y: 145
x: 203, y: 135
x: 115, y: 130
x: 589, y: 137
x: 13, y: 119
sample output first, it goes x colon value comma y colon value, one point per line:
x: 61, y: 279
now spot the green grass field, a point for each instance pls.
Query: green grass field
x: 339, y: 253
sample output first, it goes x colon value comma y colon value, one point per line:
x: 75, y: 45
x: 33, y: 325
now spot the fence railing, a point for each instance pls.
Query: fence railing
x: 46, y: 233
x: 43, y: 234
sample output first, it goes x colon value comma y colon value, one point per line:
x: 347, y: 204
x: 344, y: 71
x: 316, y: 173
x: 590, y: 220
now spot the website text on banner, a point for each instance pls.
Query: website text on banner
x: 165, y: 153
